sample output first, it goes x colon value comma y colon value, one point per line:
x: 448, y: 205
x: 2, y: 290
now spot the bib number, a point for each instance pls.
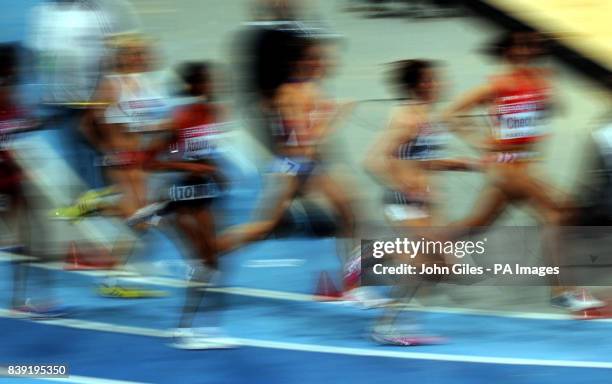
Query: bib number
x: 200, y: 146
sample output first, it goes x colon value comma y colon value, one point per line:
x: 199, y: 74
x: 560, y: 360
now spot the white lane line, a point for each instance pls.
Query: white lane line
x: 141, y: 331
x: 422, y: 356
x: 12, y: 257
x: 91, y: 380
x: 290, y: 296
x: 123, y: 275
x: 72, y: 379
x: 95, y: 326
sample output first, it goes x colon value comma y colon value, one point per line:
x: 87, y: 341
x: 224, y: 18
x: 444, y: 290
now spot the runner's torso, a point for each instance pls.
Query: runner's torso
x: 519, y: 110
x: 140, y: 107
x: 198, y: 133
x: 428, y: 144
x: 298, y: 138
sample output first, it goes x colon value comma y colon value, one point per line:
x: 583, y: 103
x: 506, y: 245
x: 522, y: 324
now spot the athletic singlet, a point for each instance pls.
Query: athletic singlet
x: 139, y: 110
x: 198, y: 133
x: 520, y: 111
x: 429, y: 144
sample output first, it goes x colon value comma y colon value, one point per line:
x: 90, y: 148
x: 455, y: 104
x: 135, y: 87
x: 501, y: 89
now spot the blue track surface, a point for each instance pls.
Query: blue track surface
x: 286, y: 341
x: 123, y: 357
x: 295, y: 325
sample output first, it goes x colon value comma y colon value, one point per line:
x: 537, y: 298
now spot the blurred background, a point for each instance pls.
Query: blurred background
x: 90, y: 289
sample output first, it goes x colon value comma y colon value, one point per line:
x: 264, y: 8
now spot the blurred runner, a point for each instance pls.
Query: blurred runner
x: 302, y: 118
x: 68, y: 39
x: 14, y: 209
x: 191, y: 149
x: 402, y: 160
x: 520, y: 101
x: 128, y: 108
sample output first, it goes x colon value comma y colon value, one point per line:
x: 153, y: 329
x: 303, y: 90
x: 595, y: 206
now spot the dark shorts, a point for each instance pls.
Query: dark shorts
x: 10, y: 176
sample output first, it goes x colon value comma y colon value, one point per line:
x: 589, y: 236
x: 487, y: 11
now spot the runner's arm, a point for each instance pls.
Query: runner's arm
x: 455, y: 116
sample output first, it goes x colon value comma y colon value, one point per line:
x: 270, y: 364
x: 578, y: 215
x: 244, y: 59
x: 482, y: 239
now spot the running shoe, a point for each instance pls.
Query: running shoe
x: 120, y: 292
x: 403, y: 338
x: 201, y: 338
x: 576, y: 301
x: 352, y: 270
x: 86, y: 204
x: 40, y: 311
x: 365, y: 297
x: 147, y: 213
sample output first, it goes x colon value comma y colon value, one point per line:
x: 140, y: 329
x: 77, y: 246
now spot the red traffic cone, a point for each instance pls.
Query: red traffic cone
x: 78, y: 260
x: 326, y: 289
x: 72, y: 259
x: 592, y: 313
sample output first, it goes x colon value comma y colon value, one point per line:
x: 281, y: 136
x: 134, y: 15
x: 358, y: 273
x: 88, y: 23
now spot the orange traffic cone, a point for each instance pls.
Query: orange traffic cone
x: 326, y: 290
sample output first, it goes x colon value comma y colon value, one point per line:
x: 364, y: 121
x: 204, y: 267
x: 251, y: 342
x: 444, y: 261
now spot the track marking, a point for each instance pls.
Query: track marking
x: 94, y: 325
x: 422, y: 356
x: 90, y: 380
x: 141, y: 331
x: 291, y: 296
x: 70, y: 379
x: 13, y: 257
x: 127, y: 276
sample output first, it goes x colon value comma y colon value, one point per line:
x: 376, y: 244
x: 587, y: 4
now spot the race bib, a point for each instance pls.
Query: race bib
x: 520, y: 125
x: 193, y: 192
x: 144, y: 114
x: 200, y: 147
x: 202, y: 141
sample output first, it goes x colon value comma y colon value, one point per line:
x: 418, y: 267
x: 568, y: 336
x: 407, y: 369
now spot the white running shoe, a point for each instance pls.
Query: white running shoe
x: 576, y: 301
x: 201, y: 338
x: 404, y: 336
x: 365, y: 297
x: 148, y: 212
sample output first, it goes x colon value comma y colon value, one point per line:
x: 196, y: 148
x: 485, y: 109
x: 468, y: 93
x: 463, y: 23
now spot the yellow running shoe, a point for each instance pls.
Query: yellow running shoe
x: 86, y: 204
x: 120, y: 292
